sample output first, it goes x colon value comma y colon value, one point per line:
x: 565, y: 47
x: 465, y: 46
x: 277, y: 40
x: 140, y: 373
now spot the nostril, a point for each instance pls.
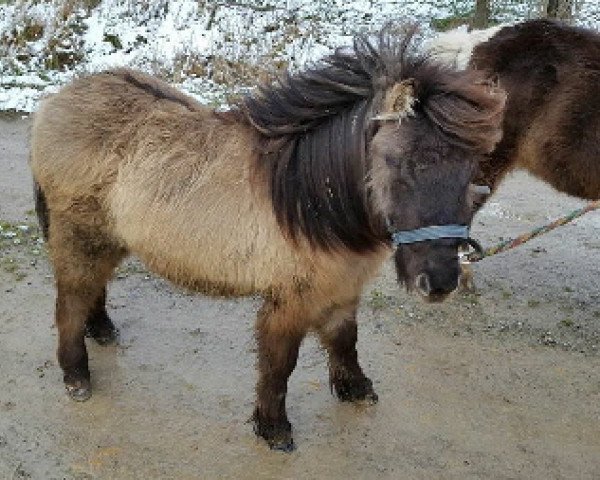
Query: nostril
x: 422, y: 283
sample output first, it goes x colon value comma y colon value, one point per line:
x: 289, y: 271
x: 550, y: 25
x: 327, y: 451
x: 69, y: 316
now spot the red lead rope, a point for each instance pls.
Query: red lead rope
x: 521, y: 239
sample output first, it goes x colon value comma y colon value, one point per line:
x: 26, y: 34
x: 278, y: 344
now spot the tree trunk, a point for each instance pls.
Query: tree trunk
x: 552, y: 8
x: 560, y: 9
x: 482, y: 14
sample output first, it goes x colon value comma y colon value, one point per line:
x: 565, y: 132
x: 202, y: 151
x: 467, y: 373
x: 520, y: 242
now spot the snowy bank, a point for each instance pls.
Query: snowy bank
x: 208, y: 48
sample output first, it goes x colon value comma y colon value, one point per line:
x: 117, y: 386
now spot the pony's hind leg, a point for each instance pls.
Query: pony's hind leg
x: 83, y: 263
x: 73, y: 304
x: 278, y: 336
x: 98, y: 324
x: 339, y: 335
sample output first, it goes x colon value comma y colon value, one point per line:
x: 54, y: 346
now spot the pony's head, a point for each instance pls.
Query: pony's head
x: 432, y: 126
x: 376, y: 146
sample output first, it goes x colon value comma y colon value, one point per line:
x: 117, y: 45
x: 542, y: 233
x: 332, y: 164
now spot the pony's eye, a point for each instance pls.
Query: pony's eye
x: 403, y: 185
x: 392, y: 161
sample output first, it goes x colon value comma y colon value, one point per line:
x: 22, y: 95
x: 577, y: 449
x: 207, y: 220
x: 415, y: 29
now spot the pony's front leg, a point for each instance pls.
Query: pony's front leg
x: 278, y: 335
x: 338, y: 335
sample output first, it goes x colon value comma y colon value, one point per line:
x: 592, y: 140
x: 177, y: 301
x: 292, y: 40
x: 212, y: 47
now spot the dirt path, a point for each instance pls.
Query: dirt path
x: 500, y: 384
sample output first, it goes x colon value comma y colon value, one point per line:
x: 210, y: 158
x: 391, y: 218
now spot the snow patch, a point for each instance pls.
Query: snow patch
x: 183, y: 40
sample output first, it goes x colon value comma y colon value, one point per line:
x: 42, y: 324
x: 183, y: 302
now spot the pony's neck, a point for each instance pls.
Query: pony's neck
x: 317, y: 182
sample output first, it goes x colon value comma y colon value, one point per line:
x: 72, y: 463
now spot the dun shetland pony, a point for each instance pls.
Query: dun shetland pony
x: 293, y: 194
x: 551, y: 74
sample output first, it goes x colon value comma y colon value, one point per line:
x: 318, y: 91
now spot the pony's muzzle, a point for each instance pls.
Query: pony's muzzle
x: 431, y: 294
x: 436, y: 285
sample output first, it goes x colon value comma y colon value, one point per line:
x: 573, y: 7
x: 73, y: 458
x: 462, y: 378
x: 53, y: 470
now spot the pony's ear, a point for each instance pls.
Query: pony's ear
x: 398, y: 101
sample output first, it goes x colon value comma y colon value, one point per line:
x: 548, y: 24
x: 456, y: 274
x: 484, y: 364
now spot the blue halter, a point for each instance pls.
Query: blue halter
x: 434, y: 232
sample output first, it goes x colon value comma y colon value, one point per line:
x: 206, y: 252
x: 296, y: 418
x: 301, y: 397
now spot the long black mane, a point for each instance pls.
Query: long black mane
x: 316, y: 129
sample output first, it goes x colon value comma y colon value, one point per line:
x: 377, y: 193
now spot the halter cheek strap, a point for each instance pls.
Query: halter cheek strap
x: 433, y: 232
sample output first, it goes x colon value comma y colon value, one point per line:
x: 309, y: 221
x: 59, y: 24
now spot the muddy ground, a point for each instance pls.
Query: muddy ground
x: 503, y: 383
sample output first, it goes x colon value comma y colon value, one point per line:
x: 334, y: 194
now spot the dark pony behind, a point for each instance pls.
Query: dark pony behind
x: 551, y: 73
x: 298, y: 194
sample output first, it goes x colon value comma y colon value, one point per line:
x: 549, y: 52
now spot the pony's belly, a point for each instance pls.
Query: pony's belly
x: 213, y: 257
x: 214, y: 269
x: 204, y: 282
x: 215, y: 237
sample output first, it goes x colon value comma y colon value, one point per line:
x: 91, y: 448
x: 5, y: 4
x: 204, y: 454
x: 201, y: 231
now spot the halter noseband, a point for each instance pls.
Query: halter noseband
x: 434, y: 232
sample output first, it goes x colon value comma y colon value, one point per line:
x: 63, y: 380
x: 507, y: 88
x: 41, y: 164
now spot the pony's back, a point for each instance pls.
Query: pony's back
x: 551, y: 72
x: 537, y: 44
x: 93, y: 117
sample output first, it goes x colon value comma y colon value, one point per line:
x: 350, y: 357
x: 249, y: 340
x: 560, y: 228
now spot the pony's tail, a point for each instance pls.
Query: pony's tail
x: 41, y: 209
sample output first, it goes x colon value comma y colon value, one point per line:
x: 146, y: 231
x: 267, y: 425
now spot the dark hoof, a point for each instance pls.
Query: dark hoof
x: 80, y: 390
x: 277, y: 435
x: 355, y: 390
x: 282, y: 445
x: 104, y: 333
